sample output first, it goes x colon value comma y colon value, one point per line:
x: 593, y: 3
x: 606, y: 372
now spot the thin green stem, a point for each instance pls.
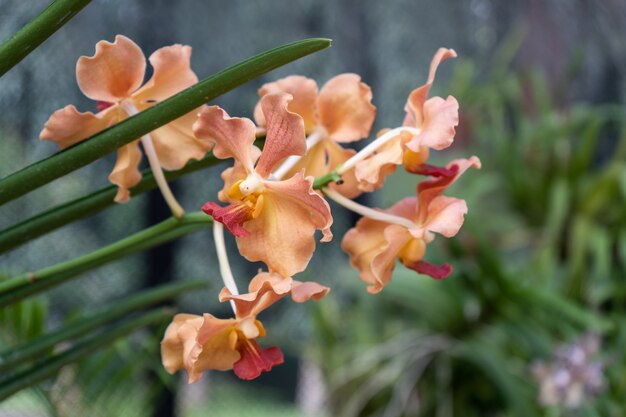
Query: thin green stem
x: 324, y: 180
x: 87, y: 151
x: 38, y: 30
x: 90, y: 324
x: 21, y: 286
x: 52, y: 219
x: 49, y: 366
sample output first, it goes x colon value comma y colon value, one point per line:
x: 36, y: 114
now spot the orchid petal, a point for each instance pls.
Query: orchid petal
x: 304, y: 291
x: 255, y: 360
x: 232, y: 216
x: 304, y: 92
x: 172, y: 74
x: 345, y: 108
x: 415, y: 104
x: 434, y: 271
x: 233, y: 136
x: 282, y: 235
x: 176, y: 145
x: 68, y: 126
x: 126, y: 172
x: 438, y: 128
x: 285, y: 133
x: 173, y: 347
x: 446, y: 215
x: 267, y: 289
x: 114, y: 72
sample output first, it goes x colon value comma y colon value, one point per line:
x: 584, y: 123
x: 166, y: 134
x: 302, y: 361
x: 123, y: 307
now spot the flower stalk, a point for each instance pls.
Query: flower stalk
x: 222, y: 257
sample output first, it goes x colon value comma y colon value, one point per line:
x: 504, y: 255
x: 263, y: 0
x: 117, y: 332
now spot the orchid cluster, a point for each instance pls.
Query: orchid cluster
x: 274, y: 199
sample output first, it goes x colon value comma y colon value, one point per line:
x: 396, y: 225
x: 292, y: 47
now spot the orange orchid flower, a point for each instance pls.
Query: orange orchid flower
x: 374, y: 245
x: 273, y: 221
x: 198, y: 343
x: 342, y: 112
x: 113, y: 78
x: 430, y: 124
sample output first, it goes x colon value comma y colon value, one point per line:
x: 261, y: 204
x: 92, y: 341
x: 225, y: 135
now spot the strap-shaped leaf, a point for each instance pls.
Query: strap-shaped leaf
x: 21, y: 286
x: 50, y: 366
x: 87, y: 151
x: 92, y: 323
x: 85, y: 206
x: 38, y: 30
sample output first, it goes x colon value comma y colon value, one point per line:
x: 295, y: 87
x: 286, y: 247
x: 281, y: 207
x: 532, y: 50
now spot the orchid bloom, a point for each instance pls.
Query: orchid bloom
x: 273, y: 221
x: 342, y: 112
x: 198, y: 343
x: 374, y: 245
x: 428, y: 124
x: 112, y: 77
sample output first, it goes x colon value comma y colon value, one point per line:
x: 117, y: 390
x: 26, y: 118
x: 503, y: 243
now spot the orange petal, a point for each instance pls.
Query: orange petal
x: 173, y: 346
x: 282, y: 235
x: 304, y: 92
x: 126, y: 172
x: 233, y: 136
x: 304, y: 291
x: 345, y: 108
x: 176, y: 145
x: 266, y: 288
x: 428, y: 190
x: 172, y: 74
x: 371, y: 172
x: 214, y: 347
x: 114, y: 72
x: 445, y: 215
x: 68, y: 126
x: 285, y: 133
x: 438, y: 128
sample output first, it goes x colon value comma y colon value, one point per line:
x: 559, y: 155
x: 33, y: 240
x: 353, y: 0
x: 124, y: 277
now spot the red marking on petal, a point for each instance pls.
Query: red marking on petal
x: 435, y: 271
x: 103, y: 105
x: 432, y: 171
x: 232, y: 216
x: 255, y: 360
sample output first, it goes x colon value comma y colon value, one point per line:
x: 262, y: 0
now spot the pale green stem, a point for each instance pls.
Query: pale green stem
x: 222, y: 257
x: 367, y: 211
x: 155, y: 165
x: 374, y: 146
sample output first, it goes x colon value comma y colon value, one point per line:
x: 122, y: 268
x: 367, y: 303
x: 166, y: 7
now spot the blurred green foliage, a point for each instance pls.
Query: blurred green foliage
x: 540, y: 261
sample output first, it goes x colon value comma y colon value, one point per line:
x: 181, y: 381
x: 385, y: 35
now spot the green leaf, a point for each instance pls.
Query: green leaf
x: 50, y: 366
x: 87, y: 151
x: 85, y: 206
x: 91, y: 323
x: 30, y: 283
x: 41, y: 28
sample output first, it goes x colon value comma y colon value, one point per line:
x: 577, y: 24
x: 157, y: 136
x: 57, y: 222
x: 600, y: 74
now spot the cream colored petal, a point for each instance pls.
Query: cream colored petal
x: 114, y: 72
x: 233, y: 136
x: 304, y: 92
x: 176, y: 145
x: 172, y: 74
x: 345, y: 108
x: 285, y: 133
x: 126, y: 172
x: 68, y: 126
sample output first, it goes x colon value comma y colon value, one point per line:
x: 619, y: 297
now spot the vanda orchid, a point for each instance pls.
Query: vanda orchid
x: 342, y: 112
x: 113, y: 77
x: 274, y: 221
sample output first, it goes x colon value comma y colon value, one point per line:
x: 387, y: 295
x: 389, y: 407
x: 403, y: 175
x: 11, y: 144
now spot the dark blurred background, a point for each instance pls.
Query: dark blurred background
x: 539, y: 267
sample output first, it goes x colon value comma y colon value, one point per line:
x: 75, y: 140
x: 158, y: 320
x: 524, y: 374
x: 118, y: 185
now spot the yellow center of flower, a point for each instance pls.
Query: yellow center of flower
x: 412, y: 160
x: 253, y: 201
x: 413, y: 251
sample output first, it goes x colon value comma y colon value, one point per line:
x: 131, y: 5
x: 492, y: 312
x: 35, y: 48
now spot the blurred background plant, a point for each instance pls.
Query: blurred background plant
x: 539, y: 264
